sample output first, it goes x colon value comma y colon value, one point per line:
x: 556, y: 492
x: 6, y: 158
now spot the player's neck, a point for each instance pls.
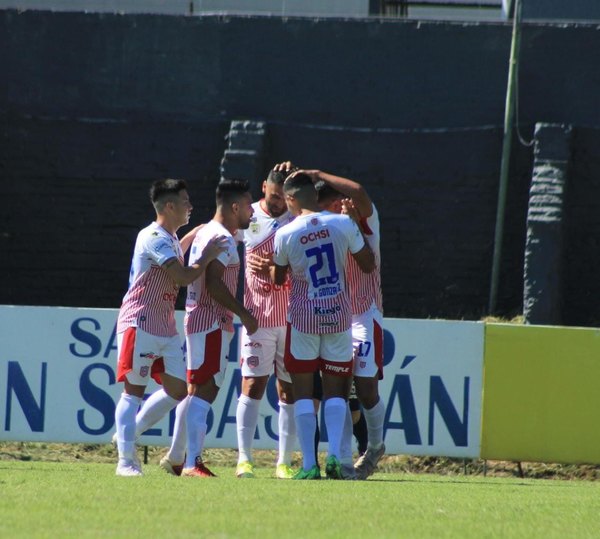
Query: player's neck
x: 228, y: 222
x: 164, y: 222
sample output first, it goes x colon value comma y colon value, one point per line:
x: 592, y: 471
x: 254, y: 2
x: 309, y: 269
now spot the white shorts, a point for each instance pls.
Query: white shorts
x: 207, y: 355
x: 142, y: 355
x: 367, y: 339
x: 262, y: 353
x: 307, y: 352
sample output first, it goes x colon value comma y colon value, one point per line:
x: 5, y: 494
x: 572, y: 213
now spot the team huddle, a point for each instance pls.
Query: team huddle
x: 311, y: 314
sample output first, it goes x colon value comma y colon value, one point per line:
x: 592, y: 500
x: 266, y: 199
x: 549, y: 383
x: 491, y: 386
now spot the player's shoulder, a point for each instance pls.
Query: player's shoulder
x: 154, y: 234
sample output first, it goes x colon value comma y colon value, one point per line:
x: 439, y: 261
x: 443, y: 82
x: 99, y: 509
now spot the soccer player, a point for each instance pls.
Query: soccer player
x: 314, y: 247
x: 338, y: 195
x: 262, y: 352
x: 208, y: 324
x: 147, y: 339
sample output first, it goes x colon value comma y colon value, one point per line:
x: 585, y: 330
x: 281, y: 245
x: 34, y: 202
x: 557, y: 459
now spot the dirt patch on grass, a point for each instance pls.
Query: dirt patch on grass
x: 54, y: 452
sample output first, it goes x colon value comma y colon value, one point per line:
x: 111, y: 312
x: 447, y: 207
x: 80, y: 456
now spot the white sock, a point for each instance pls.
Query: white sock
x: 287, y: 433
x: 125, y: 412
x: 306, y: 425
x: 246, y: 419
x: 335, y: 416
x: 176, y: 452
x: 196, y: 429
x: 153, y: 410
x: 346, y: 444
x: 374, y: 418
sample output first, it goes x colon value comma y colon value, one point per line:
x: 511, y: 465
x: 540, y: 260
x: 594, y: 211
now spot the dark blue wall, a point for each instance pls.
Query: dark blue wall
x: 93, y: 107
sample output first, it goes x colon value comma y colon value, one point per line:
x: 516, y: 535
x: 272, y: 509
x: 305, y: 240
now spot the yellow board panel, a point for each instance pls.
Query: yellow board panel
x: 541, y: 394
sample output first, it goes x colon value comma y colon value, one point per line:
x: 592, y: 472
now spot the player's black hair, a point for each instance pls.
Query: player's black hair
x: 163, y: 191
x: 231, y: 190
x: 326, y: 193
x: 279, y: 176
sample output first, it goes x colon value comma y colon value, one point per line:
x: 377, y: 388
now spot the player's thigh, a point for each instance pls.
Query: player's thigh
x: 137, y: 351
x: 258, y: 352
x: 207, y: 356
x: 173, y: 357
x: 367, y: 336
x: 301, y: 352
x: 280, y: 370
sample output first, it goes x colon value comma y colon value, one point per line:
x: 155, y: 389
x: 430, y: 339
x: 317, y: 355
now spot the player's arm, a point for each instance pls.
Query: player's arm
x: 184, y: 275
x: 187, y: 240
x: 365, y: 259
x: 221, y: 294
x: 348, y: 188
x: 279, y: 274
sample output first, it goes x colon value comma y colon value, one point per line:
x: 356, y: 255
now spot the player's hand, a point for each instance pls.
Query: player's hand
x: 215, y: 246
x: 349, y: 209
x: 286, y: 166
x: 315, y: 175
x: 259, y: 264
x: 250, y: 323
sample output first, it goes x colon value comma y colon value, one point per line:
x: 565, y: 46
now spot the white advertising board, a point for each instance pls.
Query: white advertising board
x: 57, y: 384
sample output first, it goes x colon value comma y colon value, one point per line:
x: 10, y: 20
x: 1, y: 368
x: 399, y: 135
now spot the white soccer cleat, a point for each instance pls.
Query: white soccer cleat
x: 367, y: 464
x: 129, y: 470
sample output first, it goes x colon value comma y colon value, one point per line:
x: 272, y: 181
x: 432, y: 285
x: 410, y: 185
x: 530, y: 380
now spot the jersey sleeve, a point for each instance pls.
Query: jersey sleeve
x: 356, y: 240
x: 160, y: 249
x: 231, y: 252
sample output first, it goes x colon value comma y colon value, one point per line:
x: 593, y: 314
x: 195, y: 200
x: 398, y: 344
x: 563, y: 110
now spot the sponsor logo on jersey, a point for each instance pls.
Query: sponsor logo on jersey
x: 149, y: 355
x: 314, y: 236
x: 337, y: 369
x: 325, y: 311
x: 254, y: 228
x: 267, y: 288
x: 252, y: 361
x: 253, y: 344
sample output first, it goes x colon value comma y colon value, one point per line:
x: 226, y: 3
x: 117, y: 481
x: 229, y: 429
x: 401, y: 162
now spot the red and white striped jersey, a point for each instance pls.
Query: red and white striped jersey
x: 201, y: 310
x: 267, y: 301
x: 316, y: 246
x: 150, y: 300
x: 365, y: 288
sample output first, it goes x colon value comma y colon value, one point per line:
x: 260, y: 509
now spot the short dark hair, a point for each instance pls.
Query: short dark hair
x: 326, y: 193
x: 298, y: 182
x: 279, y: 176
x: 231, y: 190
x: 164, y: 190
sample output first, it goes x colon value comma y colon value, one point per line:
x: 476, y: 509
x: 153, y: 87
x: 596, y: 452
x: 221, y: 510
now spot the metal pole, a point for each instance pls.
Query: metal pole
x: 504, y: 165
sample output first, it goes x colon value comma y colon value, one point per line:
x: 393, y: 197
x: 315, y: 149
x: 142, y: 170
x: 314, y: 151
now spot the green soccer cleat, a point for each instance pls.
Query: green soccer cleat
x: 313, y: 473
x: 245, y: 469
x: 283, y: 471
x: 333, y: 468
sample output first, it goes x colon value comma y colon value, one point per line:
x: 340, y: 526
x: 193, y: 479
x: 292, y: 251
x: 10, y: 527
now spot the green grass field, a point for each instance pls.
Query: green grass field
x: 57, y: 499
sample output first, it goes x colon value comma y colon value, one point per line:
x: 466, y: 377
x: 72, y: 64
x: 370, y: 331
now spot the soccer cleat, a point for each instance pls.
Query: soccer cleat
x: 136, y: 460
x: 333, y: 468
x: 199, y: 470
x: 313, y: 473
x: 348, y: 472
x: 245, y: 469
x: 129, y: 469
x: 283, y: 471
x: 367, y: 464
x: 170, y: 467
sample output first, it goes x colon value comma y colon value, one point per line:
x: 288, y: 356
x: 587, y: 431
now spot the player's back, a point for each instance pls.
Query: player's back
x: 315, y: 247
